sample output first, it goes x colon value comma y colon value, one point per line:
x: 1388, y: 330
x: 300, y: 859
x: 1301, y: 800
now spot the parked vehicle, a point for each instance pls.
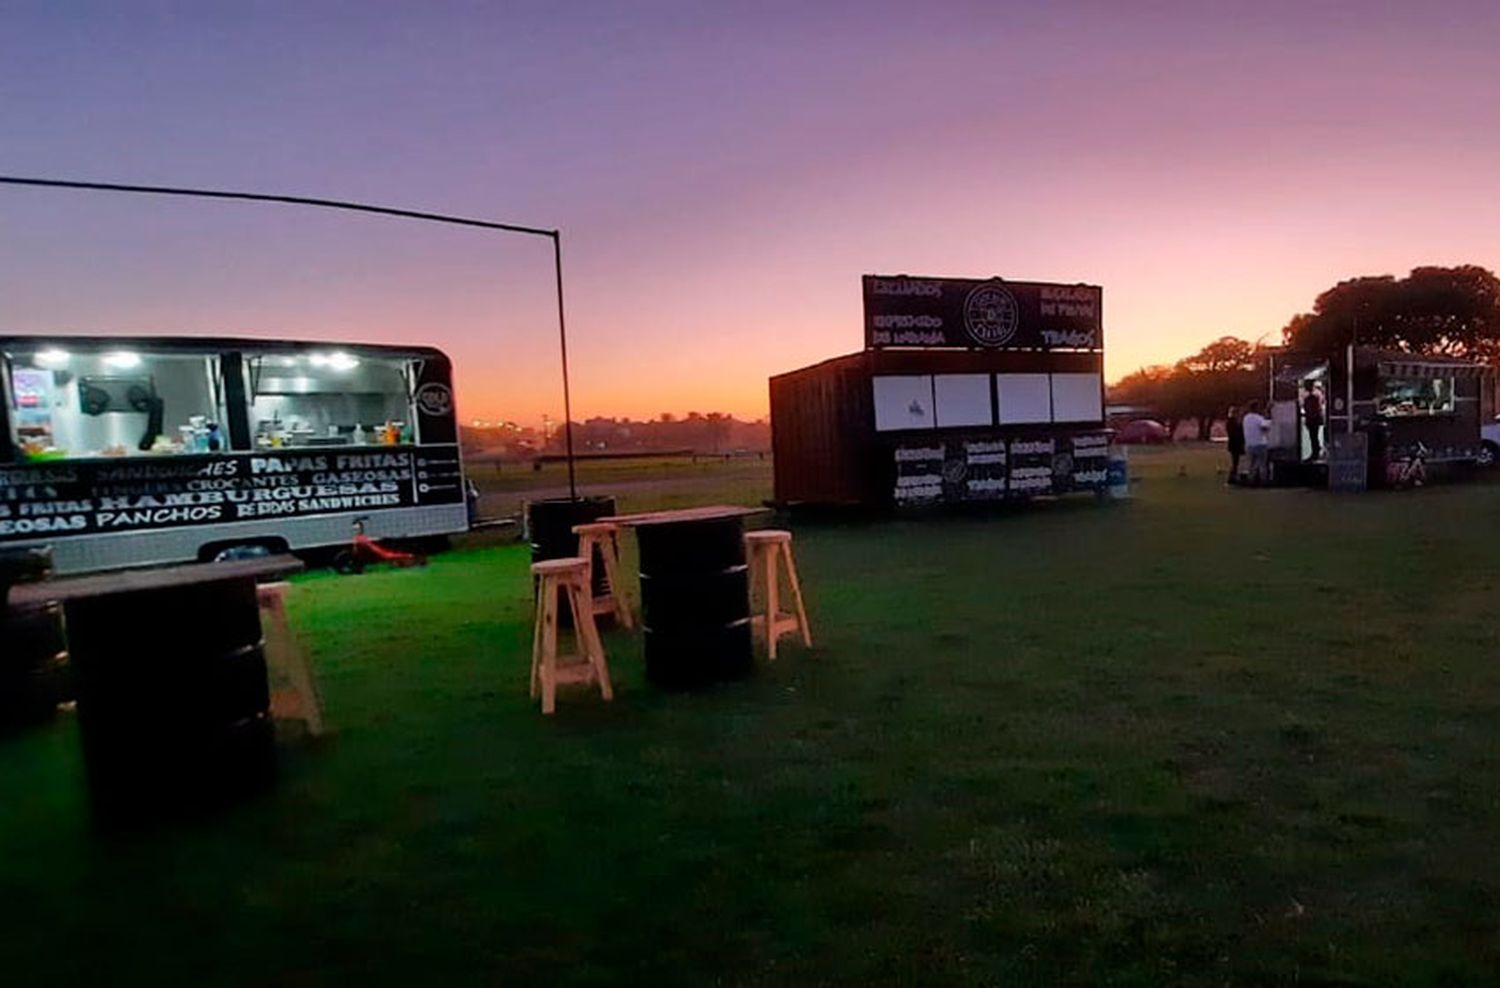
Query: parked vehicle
x: 1142, y: 432
x: 1489, y: 444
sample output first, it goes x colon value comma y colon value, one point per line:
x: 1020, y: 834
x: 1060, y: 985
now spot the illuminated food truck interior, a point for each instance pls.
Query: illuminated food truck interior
x: 1411, y: 396
x: 80, y: 401
x: 329, y: 398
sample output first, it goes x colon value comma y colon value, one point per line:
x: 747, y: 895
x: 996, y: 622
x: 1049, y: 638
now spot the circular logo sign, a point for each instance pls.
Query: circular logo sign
x: 954, y: 471
x: 1062, y: 466
x: 990, y: 314
x: 434, y: 399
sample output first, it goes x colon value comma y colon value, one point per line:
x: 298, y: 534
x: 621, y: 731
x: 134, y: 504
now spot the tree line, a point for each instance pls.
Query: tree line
x: 1453, y: 311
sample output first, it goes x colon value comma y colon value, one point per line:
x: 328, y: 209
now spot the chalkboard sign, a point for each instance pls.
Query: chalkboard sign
x: 950, y: 470
x: 1083, y: 466
x: 994, y: 468
x: 966, y: 313
x: 1348, y: 461
x: 140, y: 493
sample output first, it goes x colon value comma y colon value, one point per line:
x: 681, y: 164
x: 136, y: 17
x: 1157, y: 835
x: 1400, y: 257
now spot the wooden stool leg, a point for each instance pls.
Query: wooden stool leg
x: 285, y: 654
x: 537, y: 628
x: 750, y: 581
x: 586, y: 546
x: 586, y: 633
x: 759, y: 620
x: 791, y: 575
x: 298, y: 670
x: 611, y: 551
x: 277, y: 648
x: 773, y: 598
x: 549, y: 647
x: 592, y: 648
x: 273, y: 630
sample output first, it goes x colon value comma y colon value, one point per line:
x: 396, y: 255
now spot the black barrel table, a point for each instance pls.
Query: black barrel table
x: 170, y: 673
x: 33, y: 649
x: 695, y: 594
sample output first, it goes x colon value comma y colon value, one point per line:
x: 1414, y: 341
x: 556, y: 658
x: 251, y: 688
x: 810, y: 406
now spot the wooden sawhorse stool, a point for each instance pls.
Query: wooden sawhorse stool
x: 570, y: 577
x: 764, y: 548
x: 284, y: 653
x: 603, y: 537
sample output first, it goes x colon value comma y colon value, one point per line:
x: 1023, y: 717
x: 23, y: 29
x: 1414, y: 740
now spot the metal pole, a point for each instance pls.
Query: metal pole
x: 562, y: 338
x: 1349, y: 389
x: 344, y: 204
x: 359, y: 207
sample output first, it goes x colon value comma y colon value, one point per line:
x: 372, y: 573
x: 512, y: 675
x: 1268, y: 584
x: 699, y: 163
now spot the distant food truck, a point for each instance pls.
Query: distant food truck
x: 129, y: 451
x: 967, y: 391
x: 1376, y: 412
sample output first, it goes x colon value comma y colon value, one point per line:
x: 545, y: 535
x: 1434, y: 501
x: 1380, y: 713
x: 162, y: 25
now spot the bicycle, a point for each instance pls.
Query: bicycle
x: 1410, y: 471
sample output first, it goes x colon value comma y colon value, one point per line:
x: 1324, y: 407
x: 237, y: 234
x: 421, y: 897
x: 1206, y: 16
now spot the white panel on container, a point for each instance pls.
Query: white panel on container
x: 903, y: 402
x: 1076, y: 398
x: 962, y: 399
x: 1024, y: 398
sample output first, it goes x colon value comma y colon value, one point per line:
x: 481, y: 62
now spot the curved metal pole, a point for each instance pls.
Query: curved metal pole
x: 359, y: 207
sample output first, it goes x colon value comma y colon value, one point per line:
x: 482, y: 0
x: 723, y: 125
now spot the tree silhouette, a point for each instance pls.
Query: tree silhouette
x: 1453, y: 311
x: 1222, y: 356
x: 1201, y: 387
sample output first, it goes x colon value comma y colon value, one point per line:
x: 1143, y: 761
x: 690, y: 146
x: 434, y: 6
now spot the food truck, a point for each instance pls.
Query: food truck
x: 967, y: 391
x: 1382, y: 411
x: 129, y: 451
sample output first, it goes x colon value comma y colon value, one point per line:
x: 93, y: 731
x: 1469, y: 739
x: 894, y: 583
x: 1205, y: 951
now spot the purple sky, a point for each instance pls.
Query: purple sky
x: 724, y: 173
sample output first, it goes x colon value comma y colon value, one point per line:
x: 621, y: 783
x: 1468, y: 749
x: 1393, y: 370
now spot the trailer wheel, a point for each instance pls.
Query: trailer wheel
x: 1489, y: 455
x: 241, y: 549
x: 347, y: 563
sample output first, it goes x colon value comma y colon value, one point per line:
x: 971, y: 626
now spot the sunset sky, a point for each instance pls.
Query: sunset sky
x: 724, y: 173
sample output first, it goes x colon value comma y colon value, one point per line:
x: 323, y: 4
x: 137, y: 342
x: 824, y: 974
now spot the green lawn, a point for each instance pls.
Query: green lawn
x: 1207, y: 737
x: 636, y: 484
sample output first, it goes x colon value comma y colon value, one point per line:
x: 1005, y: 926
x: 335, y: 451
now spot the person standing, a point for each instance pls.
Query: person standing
x: 1258, y: 444
x: 471, y: 498
x: 1234, y: 428
x: 1312, y: 417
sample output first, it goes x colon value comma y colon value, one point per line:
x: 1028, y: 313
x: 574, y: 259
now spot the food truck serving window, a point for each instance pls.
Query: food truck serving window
x: 1024, y: 398
x: 1077, y: 398
x: 88, y: 403
x: 1406, y: 396
x: 903, y: 401
x: 329, y: 398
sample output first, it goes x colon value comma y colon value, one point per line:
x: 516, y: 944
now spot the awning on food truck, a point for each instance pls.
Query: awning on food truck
x: 1416, y: 368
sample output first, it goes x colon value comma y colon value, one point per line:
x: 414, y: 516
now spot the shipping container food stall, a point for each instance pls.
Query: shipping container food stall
x: 1396, y: 404
x: 967, y: 391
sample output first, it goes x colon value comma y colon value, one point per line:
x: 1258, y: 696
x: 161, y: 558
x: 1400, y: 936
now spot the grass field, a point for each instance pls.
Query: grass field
x: 1206, y: 737
x: 636, y: 484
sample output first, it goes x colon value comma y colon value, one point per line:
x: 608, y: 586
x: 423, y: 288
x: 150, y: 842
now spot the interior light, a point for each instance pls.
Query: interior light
x: 51, y: 357
x: 122, y: 359
x: 337, y: 360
